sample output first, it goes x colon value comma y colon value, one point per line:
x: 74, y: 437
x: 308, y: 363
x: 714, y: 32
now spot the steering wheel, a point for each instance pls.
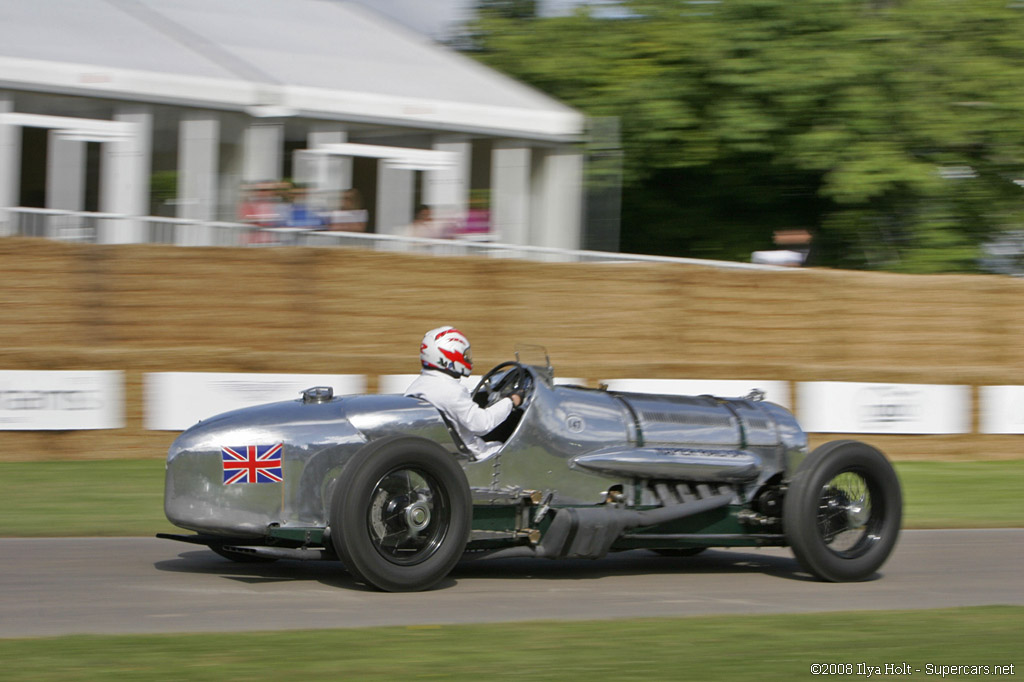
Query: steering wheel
x: 502, y: 381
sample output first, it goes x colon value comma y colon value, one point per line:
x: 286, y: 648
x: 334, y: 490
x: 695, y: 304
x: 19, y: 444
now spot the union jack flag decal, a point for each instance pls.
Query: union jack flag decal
x: 252, y: 464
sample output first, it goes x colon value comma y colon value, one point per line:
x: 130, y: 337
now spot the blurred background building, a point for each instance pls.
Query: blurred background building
x: 183, y: 108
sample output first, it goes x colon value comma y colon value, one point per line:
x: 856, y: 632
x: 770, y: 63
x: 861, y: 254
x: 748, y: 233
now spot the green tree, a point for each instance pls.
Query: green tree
x: 893, y: 130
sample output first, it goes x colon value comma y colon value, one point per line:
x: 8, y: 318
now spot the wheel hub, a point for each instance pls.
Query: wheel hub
x: 417, y: 516
x: 857, y: 514
x: 835, y: 516
x: 845, y: 513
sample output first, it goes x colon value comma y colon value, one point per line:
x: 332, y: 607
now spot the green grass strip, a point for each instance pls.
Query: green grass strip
x: 769, y: 647
x: 89, y: 498
x: 125, y: 497
x: 962, y: 494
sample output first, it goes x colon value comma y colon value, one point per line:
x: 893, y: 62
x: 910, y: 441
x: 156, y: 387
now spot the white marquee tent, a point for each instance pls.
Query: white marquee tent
x: 226, y: 92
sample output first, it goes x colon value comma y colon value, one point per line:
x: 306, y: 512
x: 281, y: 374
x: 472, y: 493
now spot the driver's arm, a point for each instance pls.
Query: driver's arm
x: 481, y: 420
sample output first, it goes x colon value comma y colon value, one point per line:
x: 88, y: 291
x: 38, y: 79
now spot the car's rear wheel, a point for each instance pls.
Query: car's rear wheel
x: 842, y: 510
x: 401, y: 514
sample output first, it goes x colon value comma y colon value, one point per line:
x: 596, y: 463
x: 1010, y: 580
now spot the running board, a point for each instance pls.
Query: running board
x: 239, y: 546
x: 297, y: 554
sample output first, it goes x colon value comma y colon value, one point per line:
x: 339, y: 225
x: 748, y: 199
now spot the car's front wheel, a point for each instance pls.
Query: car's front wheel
x: 401, y: 514
x: 842, y: 510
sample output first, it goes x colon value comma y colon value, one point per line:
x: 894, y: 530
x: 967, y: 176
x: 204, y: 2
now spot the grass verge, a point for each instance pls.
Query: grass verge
x: 125, y: 497
x: 87, y: 498
x: 767, y: 647
x: 962, y: 494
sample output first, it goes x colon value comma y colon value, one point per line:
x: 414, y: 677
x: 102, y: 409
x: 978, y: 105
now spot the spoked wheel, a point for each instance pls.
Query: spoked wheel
x: 842, y: 512
x: 401, y: 514
x: 409, y: 515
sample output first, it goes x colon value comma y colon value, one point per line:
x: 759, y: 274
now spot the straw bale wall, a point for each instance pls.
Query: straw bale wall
x: 144, y: 308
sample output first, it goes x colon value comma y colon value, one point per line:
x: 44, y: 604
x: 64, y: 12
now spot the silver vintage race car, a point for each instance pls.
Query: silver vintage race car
x: 383, y: 484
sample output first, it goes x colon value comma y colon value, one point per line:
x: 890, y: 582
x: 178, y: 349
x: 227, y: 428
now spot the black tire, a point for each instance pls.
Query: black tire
x: 242, y: 557
x: 842, y: 511
x: 401, y: 514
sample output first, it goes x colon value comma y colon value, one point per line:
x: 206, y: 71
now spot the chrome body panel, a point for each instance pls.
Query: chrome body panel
x: 318, y: 439
x: 715, y: 466
x: 559, y: 424
x: 670, y: 419
x: 573, y: 444
x: 766, y: 433
x: 792, y: 441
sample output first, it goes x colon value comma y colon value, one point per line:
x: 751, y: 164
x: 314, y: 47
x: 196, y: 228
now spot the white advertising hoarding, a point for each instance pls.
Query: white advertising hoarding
x: 1002, y: 409
x: 70, y: 400
x: 849, y: 407
x: 774, y: 391
x: 177, y: 400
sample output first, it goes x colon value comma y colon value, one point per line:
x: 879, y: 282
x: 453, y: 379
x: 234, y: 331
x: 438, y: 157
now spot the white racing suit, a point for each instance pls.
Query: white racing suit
x: 471, y: 421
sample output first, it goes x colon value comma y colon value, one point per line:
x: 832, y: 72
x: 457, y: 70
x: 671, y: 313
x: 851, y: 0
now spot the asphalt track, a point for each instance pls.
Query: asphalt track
x: 141, y: 585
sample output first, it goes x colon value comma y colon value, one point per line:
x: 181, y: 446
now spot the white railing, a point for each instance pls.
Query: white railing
x: 79, y: 226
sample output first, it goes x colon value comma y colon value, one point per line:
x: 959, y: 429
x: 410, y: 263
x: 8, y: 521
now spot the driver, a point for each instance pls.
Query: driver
x: 446, y: 357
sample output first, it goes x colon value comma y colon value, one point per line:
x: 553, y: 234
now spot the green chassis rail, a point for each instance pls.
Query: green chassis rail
x: 521, y: 517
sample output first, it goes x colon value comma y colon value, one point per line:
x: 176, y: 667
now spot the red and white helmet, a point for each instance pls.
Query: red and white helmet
x: 447, y: 349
